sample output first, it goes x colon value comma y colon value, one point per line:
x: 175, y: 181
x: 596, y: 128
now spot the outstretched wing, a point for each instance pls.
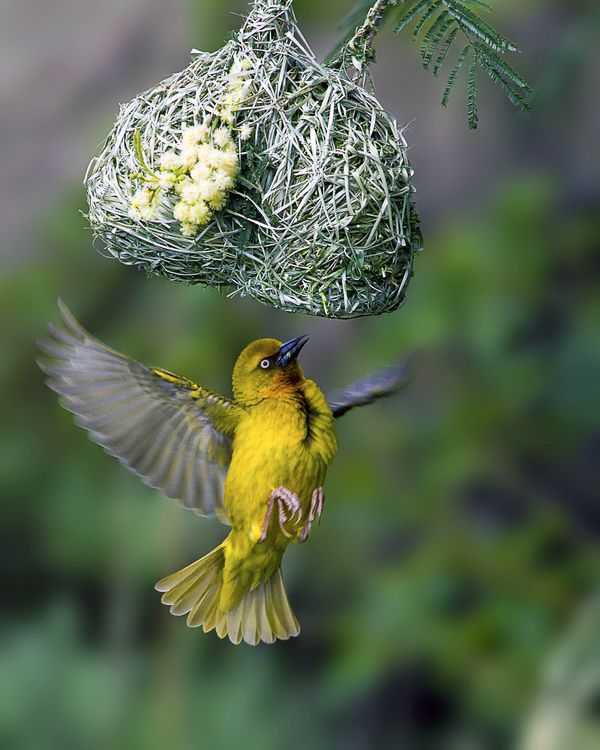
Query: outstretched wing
x: 379, y: 384
x: 171, y: 432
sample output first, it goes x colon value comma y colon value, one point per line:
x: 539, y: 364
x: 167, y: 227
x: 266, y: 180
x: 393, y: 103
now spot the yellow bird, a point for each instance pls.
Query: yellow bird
x: 258, y: 461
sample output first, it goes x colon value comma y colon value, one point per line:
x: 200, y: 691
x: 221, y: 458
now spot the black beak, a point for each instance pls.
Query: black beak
x: 290, y: 350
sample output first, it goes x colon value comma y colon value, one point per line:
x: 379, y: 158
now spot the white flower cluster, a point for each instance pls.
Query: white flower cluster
x: 144, y: 204
x: 204, y: 169
x: 238, y: 90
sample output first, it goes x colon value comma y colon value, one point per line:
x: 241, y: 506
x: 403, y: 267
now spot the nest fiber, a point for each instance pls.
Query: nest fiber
x: 320, y: 218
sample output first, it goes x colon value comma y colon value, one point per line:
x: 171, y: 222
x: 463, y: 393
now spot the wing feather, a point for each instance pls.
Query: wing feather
x: 171, y: 432
x: 379, y: 384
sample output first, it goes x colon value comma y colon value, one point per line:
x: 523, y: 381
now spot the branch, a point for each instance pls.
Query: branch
x: 436, y: 26
x: 356, y: 49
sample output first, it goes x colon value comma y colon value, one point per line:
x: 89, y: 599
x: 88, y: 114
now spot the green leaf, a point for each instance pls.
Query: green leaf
x: 435, y: 36
x: 425, y: 18
x: 479, y: 28
x: 411, y: 14
x: 139, y: 155
x: 501, y: 66
x: 514, y: 97
x: 445, y: 48
x: 472, y: 115
x: 479, y: 4
x: 453, y: 74
x: 436, y: 25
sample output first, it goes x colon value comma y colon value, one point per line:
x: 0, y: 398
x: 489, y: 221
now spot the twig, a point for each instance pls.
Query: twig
x: 358, y: 51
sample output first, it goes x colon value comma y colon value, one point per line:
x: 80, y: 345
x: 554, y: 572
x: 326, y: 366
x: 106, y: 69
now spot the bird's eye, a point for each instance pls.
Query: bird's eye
x: 265, y: 364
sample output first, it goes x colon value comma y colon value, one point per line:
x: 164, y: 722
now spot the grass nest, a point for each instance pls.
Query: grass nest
x: 320, y: 217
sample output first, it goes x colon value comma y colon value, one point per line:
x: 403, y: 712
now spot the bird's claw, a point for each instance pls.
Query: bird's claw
x: 288, y: 508
x: 316, y: 509
x: 288, y: 503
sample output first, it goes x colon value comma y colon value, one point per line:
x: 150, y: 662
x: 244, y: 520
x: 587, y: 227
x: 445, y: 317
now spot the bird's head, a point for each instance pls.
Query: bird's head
x: 268, y: 369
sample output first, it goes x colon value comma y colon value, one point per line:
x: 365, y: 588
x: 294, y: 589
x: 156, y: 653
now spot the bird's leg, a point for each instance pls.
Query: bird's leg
x: 317, y: 502
x: 289, y: 506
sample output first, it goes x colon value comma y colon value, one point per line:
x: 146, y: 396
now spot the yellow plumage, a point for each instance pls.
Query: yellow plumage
x: 283, y: 436
x: 258, y: 461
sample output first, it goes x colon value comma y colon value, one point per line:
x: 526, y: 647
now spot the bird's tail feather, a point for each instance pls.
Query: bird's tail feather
x: 262, y: 614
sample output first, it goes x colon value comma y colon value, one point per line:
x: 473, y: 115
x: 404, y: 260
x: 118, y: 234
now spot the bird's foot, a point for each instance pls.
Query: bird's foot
x: 288, y: 504
x: 314, y: 514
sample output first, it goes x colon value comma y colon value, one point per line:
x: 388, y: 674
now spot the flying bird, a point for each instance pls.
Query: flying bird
x: 257, y: 461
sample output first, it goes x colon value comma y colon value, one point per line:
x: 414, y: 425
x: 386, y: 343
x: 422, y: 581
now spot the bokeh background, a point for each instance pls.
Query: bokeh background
x: 449, y: 598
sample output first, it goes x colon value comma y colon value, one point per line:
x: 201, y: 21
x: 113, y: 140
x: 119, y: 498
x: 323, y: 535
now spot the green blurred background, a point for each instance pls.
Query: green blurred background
x: 448, y: 600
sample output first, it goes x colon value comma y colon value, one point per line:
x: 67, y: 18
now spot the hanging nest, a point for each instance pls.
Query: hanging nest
x: 316, y: 213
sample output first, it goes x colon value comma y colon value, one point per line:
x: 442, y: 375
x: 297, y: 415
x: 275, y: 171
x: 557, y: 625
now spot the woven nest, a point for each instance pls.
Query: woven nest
x: 320, y: 219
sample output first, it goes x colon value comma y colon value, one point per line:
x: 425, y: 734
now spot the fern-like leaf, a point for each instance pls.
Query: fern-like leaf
x: 514, y: 96
x: 479, y: 4
x: 476, y: 26
x: 411, y: 14
x: 434, y: 37
x: 453, y: 75
x: 444, y: 50
x: 426, y: 17
x: 472, y: 114
x: 437, y: 23
x: 494, y: 60
x: 436, y: 26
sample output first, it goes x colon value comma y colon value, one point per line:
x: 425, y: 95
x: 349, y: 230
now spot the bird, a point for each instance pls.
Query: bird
x: 257, y: 460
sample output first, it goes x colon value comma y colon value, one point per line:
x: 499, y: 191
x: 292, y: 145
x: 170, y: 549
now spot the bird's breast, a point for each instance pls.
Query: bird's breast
x: 270, y: 449
x: 271, y: 439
